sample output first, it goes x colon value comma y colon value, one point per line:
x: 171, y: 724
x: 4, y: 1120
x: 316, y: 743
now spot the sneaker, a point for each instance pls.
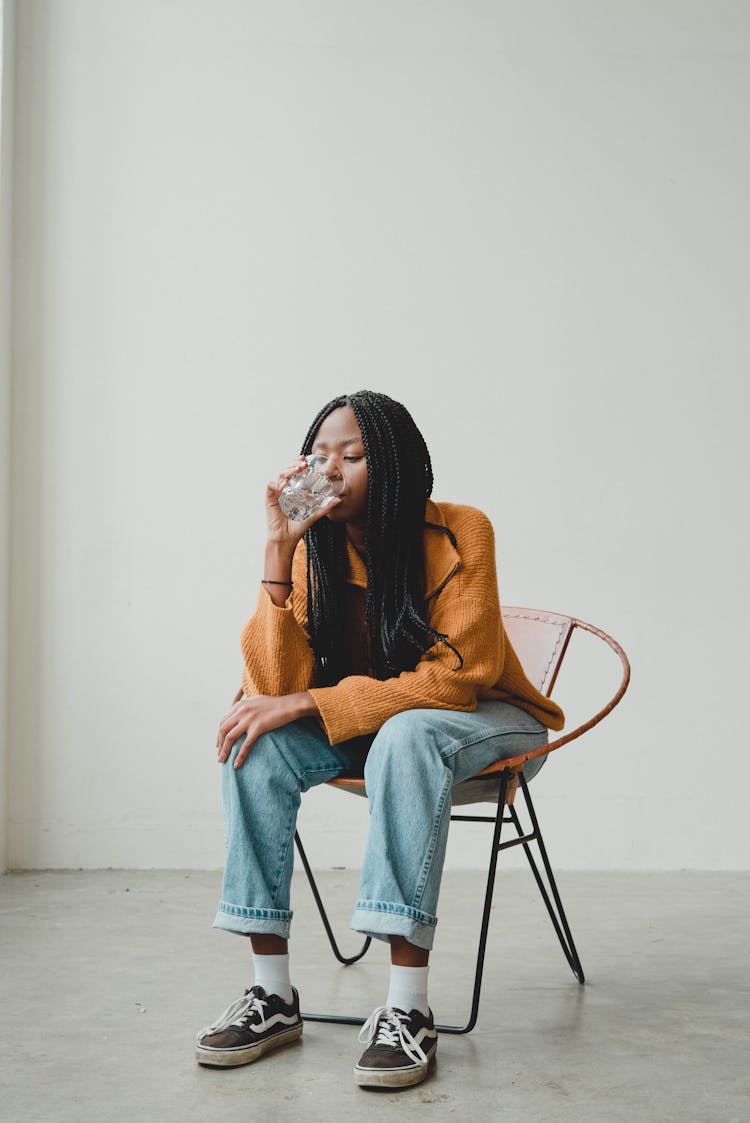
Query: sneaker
x: 248, y: 1028
x: 400, y: 1048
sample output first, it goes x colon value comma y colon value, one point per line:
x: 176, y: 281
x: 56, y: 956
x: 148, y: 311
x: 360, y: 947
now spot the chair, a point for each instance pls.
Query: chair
x: 540, y: 640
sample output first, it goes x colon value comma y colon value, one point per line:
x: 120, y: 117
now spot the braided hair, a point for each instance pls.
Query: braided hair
x: 399, y: 483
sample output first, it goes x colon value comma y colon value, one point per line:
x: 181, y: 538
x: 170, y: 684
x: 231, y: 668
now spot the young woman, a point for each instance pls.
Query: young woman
x: 376, y: 648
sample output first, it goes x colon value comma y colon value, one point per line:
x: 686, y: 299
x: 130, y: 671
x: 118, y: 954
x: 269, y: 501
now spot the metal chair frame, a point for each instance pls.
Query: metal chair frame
x: 510, y: 776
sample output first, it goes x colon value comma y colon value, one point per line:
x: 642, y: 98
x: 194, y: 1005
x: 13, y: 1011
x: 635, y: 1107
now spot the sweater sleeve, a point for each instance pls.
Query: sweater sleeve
x: 275, y: 644
x: 467, y: 611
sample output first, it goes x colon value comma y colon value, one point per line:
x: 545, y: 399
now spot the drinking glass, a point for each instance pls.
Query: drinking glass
x: 307, y: 492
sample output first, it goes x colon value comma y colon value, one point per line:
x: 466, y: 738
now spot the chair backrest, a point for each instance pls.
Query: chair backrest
x: 540, y: 640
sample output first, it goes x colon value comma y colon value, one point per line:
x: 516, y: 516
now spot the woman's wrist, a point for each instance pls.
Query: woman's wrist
x: 278, y: 560
x: 304, y: 704
x: 277, y: 569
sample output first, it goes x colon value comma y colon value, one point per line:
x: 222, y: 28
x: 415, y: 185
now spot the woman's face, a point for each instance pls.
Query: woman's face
x: 339, y: 439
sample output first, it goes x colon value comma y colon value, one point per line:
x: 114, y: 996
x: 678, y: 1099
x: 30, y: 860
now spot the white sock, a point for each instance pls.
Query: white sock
x: 408, y: 988
x: 272, y: 973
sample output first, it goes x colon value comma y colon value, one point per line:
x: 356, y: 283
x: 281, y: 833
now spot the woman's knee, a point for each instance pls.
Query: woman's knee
x: 294, y: 756
x: 405, y: 742
x: 265, y: 760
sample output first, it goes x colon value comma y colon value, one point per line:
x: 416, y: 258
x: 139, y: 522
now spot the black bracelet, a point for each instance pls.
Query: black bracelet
x: 265, y: 582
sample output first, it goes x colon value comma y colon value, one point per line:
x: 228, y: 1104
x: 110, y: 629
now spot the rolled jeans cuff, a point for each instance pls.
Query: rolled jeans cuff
x: 244, y: 921
x: 382, y: 919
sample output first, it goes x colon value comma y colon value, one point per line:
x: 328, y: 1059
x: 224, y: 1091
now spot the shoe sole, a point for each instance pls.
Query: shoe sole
x: 393, y: 1078
x: 245, y: 1054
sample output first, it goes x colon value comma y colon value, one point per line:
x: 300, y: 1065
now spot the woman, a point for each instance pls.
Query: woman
x: 377, y: 644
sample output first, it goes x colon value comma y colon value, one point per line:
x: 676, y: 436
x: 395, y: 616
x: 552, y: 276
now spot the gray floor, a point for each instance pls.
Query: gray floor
x: 108, y: 974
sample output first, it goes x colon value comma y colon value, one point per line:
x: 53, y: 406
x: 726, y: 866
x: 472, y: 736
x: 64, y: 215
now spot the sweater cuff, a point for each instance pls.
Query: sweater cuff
x: 270, y: 625
x: 266, y: 604
x: 339, y: 717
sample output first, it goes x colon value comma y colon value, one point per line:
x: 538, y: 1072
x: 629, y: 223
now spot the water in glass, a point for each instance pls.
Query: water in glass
x: 307, y: 492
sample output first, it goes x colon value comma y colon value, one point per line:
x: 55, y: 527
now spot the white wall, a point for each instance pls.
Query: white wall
x: 529, y: 223
x: 7, y: 35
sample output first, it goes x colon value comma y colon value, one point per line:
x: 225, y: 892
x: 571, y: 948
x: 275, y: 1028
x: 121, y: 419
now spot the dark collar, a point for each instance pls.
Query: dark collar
x: 441, y: 556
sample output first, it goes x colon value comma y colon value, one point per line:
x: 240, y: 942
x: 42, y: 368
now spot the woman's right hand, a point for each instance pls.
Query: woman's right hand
x: 282, y: 530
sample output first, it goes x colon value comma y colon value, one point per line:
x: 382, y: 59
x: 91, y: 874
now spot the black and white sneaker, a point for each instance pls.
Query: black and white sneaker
x: 400, y: 1048
x: 248, y: 1028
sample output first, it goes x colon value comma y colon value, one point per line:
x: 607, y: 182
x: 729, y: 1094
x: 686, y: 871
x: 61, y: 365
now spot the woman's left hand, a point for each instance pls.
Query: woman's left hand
x: 259, y: 714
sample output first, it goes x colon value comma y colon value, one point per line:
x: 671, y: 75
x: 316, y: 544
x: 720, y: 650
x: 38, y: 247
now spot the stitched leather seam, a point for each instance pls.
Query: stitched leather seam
x: 543, y: 620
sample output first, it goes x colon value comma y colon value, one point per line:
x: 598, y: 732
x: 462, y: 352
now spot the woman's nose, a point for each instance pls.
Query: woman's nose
x: 333, y: 468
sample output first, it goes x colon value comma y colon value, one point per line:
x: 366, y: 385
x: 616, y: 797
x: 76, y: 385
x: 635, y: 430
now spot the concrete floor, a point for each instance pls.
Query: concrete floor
x: 107, y: 975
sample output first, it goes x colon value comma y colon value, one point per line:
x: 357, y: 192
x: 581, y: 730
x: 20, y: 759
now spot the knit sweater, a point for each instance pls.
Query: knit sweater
x: 462, y: 602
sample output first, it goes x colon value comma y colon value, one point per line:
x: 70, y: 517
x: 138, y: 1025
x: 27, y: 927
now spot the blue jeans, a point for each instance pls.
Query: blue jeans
x: 410, y: 766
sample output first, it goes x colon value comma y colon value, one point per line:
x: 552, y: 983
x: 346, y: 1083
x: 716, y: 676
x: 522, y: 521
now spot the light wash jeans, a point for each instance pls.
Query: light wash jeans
x: 410, y: 766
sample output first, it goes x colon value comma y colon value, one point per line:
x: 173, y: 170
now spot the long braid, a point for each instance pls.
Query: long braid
x: 399, y: 483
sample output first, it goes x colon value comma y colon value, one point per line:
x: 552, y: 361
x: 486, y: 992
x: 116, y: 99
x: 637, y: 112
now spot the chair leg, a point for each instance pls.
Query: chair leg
x: 479, y: 970
x: 346, y: 960
x: 560, y: 925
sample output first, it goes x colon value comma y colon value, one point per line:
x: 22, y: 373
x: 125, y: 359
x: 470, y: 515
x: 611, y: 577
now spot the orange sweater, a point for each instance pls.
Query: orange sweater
x: 462, y: 603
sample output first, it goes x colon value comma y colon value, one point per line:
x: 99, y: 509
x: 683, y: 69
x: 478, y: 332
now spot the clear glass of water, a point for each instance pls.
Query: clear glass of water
x: 307, y: 492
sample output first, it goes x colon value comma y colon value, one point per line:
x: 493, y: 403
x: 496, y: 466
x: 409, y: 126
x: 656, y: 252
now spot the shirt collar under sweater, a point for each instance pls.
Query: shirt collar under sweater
x: 441, y: 557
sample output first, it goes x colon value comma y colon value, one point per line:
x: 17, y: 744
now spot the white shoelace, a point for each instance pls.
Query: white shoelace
x: 385, y: 1026
x: 235, y: 1015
